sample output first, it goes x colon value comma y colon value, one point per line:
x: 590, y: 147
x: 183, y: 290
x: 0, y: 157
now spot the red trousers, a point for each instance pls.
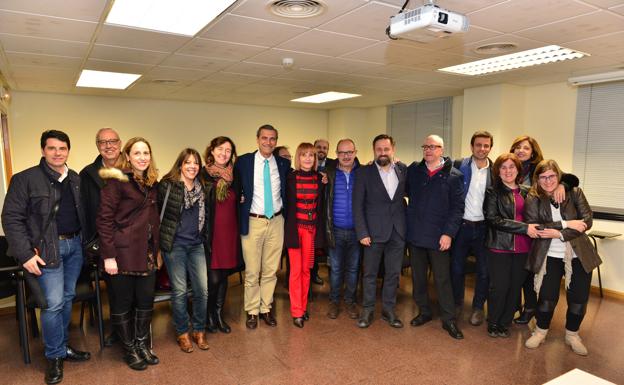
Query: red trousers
x: 301, y: 261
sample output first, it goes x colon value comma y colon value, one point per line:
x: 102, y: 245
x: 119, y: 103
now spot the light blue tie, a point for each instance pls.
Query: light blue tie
x: 268, y: 195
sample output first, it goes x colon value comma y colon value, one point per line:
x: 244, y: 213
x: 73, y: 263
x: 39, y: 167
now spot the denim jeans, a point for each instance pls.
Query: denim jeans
x: 188, y: 261
x: 59, y: 287
x: 344, y: 261
x: 470, y: 238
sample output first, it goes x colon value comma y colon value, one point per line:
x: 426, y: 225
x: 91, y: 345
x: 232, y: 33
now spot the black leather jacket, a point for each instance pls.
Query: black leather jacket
x: 499, y: 209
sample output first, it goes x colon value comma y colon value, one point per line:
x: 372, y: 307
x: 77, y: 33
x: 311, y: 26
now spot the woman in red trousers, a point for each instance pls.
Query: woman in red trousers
x: 304, y: 192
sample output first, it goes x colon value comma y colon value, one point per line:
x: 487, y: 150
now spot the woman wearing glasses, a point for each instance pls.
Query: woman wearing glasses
x: 561, y: 250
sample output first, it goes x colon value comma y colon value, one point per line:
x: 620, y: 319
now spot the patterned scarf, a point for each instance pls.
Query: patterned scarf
x: 224, y: 176
x: 196, y: 195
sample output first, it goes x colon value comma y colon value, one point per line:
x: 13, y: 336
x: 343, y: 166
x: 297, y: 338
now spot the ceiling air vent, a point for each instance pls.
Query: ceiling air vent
x: 297, y: 8
x: 495, y: 48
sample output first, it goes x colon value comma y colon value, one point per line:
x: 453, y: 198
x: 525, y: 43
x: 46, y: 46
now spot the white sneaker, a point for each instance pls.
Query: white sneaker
x: 537, y: 338
x: 573, y: 340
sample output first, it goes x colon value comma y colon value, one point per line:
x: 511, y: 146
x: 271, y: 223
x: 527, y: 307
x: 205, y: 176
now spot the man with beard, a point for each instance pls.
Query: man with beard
x: 379, y: 218
x: 434, y: 214
x: 322, y: 148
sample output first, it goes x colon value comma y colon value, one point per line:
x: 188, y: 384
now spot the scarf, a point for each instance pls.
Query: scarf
x: 196, y: 195
x: 567, y: 262
x: 224, y: 176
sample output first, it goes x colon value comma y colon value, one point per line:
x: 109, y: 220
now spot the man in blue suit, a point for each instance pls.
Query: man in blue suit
x: 261, y: 220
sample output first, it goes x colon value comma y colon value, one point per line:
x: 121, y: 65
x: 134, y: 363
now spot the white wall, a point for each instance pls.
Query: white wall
x: 359, y: 124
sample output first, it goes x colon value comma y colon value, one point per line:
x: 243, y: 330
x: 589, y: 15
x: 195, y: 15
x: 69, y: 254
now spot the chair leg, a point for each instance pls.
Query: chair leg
x: 98, y: 304
x: 34, y: 326
x: 22, y: 320
x: 91, y: 313
x: 82, y: 310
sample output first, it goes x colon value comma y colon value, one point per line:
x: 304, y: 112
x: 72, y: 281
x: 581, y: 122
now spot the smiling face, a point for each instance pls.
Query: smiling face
x: 432, y: 150
x: 267, y: 140
x: 548, y: 181
x: 139, y: 157
x: 55, y: 153
x: 508, y: 173
x: 481, y: 148
x: 346, y: 154
x: 190, y: 168
x: 306, y: 160
x: 109, y: 145
x: 384, y: 152
x: 322, y: 146
x: 222, y: 154
x: 523, y: 150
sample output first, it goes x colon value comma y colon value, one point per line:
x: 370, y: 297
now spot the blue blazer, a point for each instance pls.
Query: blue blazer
x: 244, y: 169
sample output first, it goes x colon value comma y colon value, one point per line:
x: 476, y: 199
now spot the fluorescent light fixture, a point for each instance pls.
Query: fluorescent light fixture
x: 183, y: 17
x: 613, y: 76
x: 532, y: 57
x: 103, y: 79
x: 325, y: 97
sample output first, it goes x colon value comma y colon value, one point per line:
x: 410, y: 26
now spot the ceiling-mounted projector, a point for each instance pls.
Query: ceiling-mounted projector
x: 427, y: 22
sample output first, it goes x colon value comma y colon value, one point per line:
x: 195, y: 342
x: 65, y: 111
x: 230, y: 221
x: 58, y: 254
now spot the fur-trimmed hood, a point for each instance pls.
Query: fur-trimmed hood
x: 113, y: 173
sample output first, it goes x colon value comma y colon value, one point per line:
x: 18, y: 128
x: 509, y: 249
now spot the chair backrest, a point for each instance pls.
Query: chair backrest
x: 5, y: 260
x: 7, y: 281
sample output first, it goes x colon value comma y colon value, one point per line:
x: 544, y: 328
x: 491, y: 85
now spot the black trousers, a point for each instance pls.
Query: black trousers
x: 392, y: 252
x: 507, y: 273
x: 132, y: 290
x: 530, y: 296
x: 440, y: 262
x: 577, y: 294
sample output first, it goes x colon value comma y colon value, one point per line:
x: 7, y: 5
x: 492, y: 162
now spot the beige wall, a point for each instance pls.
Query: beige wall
x: 168, y: 125
x: 359, y: 124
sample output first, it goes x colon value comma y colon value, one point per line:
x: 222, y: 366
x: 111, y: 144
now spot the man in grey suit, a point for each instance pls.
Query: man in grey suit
x: 379, y: 216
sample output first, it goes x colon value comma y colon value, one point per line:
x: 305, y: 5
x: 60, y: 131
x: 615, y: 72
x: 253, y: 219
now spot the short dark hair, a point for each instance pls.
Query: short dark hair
x: 216, y: 142
x: 499, y: 162
x: 266, y: 127
x: 54, y: 134
x: 277, y: 150
x: 382, y: 137
x: 482, y: 134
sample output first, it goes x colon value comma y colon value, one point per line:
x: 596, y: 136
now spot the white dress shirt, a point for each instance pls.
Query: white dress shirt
x: 476, y: 192
x: 257, y: 203
x: 389, y: 178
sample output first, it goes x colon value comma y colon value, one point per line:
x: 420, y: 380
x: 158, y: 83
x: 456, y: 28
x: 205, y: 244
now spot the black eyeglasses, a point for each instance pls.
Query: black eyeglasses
x: 110, y: 142
x: 430, y: 147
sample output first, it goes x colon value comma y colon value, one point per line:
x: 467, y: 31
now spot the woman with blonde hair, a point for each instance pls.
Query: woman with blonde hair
x: 128, y: 226
x: 561, y: 250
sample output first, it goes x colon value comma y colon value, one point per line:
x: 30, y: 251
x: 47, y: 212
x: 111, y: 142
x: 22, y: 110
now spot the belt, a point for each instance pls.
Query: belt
x: 264, y: 216
x: 69, y: 235
x: 472, y: 223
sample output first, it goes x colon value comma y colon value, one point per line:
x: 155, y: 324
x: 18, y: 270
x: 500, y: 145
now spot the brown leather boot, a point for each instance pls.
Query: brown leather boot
x: 200, y: 340
x: 184, y: 341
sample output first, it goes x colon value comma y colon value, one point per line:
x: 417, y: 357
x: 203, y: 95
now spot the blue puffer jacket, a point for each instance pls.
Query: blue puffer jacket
x: 436, y: 204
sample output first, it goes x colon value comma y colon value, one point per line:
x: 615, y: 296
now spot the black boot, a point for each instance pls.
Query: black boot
x: 142, y: 328
x: 54, y: 371
x: 221, y: 324
x: 525, y: 316
x: 211, y: 316
x: 125, y: 331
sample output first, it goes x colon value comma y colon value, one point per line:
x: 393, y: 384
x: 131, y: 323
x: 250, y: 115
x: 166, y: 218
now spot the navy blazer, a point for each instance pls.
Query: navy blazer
x: 244, y: 170
x: 374, y: 213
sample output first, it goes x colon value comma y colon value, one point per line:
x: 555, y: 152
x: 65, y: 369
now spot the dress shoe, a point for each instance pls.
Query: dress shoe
x: 306, y: 316
x: 477, y: 317
x: 453, y: 330
x: 76, y: 355
x: 252, y: 321
x: 525, y: 316
x: 352, y: 310
x: 298, y: 322
x: 366, y: 319
x: 503, y: 332
x: 111, y: 339
x: 492, y: 330
x: 333, y: 310
x: 268, y: 319
x: 200, y: 340
x: 391, y: 319
x: 317, y: 280
x: 184, y: 342
x: 54, y: 371
x: 420, y: 320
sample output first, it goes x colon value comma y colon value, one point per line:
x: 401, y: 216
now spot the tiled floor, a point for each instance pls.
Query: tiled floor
x: 329, y: 351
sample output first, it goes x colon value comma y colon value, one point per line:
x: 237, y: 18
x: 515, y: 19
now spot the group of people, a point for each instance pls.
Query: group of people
x: 208, y: 217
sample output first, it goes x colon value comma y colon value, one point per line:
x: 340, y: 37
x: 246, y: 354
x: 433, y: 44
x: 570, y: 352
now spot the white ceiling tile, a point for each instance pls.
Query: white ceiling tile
x: 325, y: 43
x: 604, y: 3
x: 611, y: 45
x: 86, y: 10
x: 220, y: 49
x: 196, y: 62
x: 114, y: 66
x: 387, y: 53
x: 129, y: 55
x: 274, y: 56
x: 369, y: 21
x: 45, y: 27
x: 19, y: 43
x: 52, y: 78
x: 460, y: 6
x: 619, y: 9
x: 455, y: 41
x: 27, y: 59
x: 339, y: 65
x: 223, y: 77
x: 515, y: 15
x: 581, y: 27
x: 246, y: 30
x: 521, y: 43
x: 139, y: 38
x: 256, y: 69
x: 173, y: 73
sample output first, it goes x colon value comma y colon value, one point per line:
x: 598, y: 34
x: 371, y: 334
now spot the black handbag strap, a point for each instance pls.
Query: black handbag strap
x: 162, y: 211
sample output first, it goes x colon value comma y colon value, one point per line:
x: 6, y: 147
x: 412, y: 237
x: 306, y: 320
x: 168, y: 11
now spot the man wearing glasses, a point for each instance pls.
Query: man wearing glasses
x: 434, y: 213
x: 109, y: 147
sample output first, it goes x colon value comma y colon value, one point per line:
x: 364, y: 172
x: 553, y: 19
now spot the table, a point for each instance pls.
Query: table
x: 597, y: 234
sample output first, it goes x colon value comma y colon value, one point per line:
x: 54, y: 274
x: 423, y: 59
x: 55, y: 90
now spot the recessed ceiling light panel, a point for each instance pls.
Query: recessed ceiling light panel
x: 325, y: 97
x: 532, y: 57
x: 297, y: 9
x: 104, y: 79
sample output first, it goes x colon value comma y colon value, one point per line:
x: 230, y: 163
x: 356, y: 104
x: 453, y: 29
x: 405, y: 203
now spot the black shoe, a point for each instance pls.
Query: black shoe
x: 54, y: 371
x: 221, y: 324
x: 268, y: 319
x: 298, y: 322
x: 125, y: 332
x: 366, y: 319
x: 111, y: 339
x: 492, y: 330
x: 420, y: 320
x: 503, y: 332
x: 76, y: 355
x: 453, y: 330
x: 211, y: 325
x: 306, y: 316
x: 392, y: 319
x: 525, y: 316
x: 252, y: 321
x: 317, y: 280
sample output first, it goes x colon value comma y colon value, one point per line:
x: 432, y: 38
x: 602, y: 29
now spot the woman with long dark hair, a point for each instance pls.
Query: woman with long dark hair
x: 128, y: 225
x: 183, y: 229
x: 562, y: 250
x: 223, y: 251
